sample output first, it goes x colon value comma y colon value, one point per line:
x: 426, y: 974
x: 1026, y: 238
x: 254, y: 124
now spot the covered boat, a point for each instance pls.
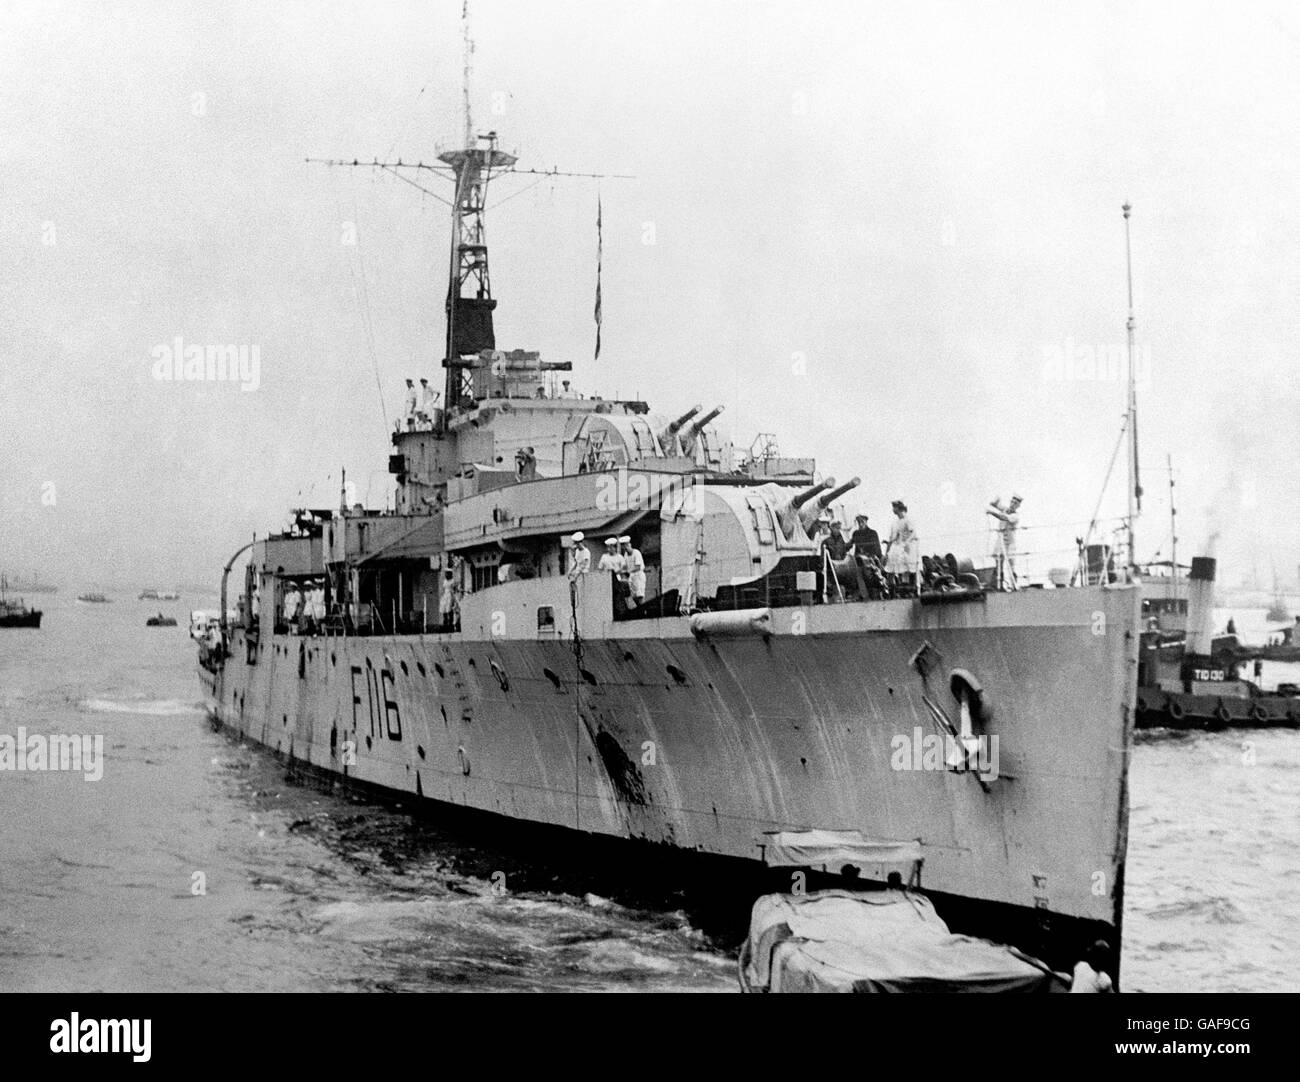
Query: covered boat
x: 876, y: 941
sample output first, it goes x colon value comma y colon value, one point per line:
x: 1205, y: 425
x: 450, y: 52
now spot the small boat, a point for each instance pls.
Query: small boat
x: 94, y: 598
x: 877, y: 941
x: 161, y: 621
x: 159, y: 595
x: 15, y: 613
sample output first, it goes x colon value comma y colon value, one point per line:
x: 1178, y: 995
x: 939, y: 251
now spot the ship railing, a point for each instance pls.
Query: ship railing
x: 374, y: 624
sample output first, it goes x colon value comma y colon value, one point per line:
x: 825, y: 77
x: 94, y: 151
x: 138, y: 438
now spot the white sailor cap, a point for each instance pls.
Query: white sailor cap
x: 626, y: 539
x: 579, y: 536
x: 611, y: 540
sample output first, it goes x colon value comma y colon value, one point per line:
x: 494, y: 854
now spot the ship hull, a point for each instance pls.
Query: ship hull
x: 644, y: 732
x: 26, y: 619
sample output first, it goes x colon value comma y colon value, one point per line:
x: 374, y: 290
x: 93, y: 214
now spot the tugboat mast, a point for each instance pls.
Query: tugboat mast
x: 1134, y: 484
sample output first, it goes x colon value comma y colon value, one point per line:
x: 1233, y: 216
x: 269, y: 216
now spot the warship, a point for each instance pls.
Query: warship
x: 744, y: 697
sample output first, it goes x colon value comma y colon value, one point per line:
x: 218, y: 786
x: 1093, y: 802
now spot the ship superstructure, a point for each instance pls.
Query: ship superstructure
x: 758, y: 698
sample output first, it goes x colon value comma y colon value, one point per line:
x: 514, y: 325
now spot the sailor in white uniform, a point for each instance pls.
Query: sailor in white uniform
x: 1008, y: 523
x: 428, y: 401
x: 411, y: 402
x: 635, y: 564
x: 580, y: 558
x: 902, y: 550
x: 612, y: 560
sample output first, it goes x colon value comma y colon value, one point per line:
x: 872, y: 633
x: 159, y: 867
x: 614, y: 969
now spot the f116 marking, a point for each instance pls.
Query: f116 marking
x: 381, y: 709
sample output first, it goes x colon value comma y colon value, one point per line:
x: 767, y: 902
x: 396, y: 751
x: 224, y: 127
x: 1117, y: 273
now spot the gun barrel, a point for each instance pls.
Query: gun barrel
x: 834, y: 494
x: 698, y: 426
x: 787, y: 514
x: 675, y: 425
x: 801, y: 498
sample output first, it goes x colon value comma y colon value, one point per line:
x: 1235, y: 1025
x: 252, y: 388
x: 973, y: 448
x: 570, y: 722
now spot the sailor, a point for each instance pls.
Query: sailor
x: 1090, y: 974
x: 835, y: 544
x: 1009, y: 519
x: 447, y: 600
x: 612, y: 560
x: 635, y: 564
x: 428, y: 401
x: 865, y: 540
x: 580, y: 559
x: 525, y: 464
x: 292, y: 601
x: 411, y: 402
x: 903, y: 546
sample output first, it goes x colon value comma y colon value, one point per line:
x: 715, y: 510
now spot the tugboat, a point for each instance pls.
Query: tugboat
x: 161, y: 621
x: 726, y: 690
x: 94, y: 598
x: 1197, y: 683
x: 13, y: 613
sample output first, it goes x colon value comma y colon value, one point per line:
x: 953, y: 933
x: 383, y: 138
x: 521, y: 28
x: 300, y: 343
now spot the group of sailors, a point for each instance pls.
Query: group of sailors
x: 900, y: 558
x: 302, y: 607
x: 620, y: 559
x: 421, y: 406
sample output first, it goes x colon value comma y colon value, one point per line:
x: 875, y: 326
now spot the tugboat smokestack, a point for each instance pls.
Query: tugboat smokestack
x: 1200, y: 606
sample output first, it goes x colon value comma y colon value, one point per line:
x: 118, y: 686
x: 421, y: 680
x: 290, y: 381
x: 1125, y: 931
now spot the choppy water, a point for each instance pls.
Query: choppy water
x: 307, y: 890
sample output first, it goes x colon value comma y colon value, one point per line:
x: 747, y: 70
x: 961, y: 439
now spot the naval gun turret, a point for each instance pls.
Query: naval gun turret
x: 788, y: 513
x: 668, y: 437
x: 809, y: 512
x: 692, y: 433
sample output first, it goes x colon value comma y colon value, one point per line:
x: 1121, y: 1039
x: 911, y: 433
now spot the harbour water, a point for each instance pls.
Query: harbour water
x: 196, y: 864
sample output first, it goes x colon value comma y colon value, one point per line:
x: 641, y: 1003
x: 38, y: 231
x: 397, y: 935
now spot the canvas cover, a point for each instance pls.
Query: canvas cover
x: 834, y: 848
x: 881, y: 941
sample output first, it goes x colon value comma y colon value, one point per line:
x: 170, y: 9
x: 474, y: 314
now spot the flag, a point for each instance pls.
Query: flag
x: 599, y: 246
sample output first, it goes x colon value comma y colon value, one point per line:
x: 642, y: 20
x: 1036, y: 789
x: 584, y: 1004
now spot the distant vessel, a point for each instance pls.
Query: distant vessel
x: 159, y: 595
x: 13, y: 613
x: 1278, y: 612
x: 161, y: 621
x: 93, y: 598
x: 32, y: 585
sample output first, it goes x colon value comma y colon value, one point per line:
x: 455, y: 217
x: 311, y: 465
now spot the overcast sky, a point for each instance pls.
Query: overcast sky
x: 878, y: 230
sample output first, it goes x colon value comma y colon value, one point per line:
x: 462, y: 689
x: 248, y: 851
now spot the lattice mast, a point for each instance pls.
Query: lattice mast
x: 469, y: 302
